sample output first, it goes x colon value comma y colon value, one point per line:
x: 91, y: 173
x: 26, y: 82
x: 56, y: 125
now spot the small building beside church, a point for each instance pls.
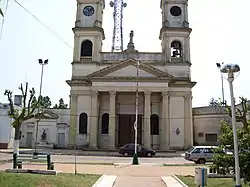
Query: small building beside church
x: 53, y: 129
x: 6, y: 130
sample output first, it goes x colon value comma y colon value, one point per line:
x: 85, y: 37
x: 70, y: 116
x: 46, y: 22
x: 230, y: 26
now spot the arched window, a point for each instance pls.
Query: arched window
x: 86, y: 48
x: 105, y: 123
x: 83, y: 123
x: 154, y: 124
x: 176, y: 49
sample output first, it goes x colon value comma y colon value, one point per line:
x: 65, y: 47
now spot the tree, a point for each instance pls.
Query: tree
x: 223, y: 162
x: 214, y: 103
x: 44, y: 102
x: 19, y: 116
x: 241, y: 113
x: 61, y: 105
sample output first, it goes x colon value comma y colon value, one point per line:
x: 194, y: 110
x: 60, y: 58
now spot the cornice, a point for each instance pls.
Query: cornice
x: 182, y: 83
x: 175, y: 29
x: 130, y: 79
x: 78, y: 82
x: 162, y: 63
x: 85, y: 62
x: 99, y: 29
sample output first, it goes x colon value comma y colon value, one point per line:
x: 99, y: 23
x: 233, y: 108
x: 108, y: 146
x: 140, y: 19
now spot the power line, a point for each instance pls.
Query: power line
x: 47, y: 27
x: 1, y: 30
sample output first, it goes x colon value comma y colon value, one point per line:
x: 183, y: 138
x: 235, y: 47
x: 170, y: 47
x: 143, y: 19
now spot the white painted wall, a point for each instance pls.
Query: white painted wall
x: 83, y: 106
x: 84, y: 69
x: 130, y: 71
x: 176, y: 114
x: 6, y: 130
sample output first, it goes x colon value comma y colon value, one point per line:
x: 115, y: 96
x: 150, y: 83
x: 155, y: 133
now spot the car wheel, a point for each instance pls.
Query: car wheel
x: 149, y: 154
x: 201, y: 161
x: 125, y: 154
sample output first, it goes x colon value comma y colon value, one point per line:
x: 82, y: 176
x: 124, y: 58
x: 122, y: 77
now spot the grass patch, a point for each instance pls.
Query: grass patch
x: 35, y: 180
x: 211, y: 182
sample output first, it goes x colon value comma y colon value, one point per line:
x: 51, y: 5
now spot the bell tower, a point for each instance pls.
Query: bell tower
x: 88, y: 31
x: 175, y: 31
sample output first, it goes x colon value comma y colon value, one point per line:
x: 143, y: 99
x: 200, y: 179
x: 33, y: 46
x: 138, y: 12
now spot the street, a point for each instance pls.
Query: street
x: 106, y: 159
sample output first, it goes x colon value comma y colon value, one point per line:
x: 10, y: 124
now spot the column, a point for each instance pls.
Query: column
x: 73, y: 121
x: 112, y: 116
x: 93, y: 132
x: 188, y: 128
x: 165, y: 125
x: 147, y: 114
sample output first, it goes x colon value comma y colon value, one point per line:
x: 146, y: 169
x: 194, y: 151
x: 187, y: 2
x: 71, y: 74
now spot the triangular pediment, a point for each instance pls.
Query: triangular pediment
x: 128, y: 68
x: 49, y: 115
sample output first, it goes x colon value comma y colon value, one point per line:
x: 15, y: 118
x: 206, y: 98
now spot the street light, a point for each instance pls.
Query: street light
x: 230, y: 69
x: 135, y: 157
x: 219, y: 66
x: 43, y: 63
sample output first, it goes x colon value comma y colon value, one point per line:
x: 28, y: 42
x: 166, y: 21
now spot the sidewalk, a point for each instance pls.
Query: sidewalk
x: 86, y: 153
x: 125, y: 181
x: 132, y: 171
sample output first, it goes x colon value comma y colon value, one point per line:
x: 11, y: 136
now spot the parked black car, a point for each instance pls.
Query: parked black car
x: 129, y: 149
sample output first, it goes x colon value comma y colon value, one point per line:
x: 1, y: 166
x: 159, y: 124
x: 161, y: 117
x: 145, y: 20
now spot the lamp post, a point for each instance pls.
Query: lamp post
x: 230, y: 69
x: 219, y: 65
x: 135, y: 157
x: 42, y: 63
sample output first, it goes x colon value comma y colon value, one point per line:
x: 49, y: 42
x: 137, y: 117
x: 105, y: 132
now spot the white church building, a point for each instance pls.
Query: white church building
x: 103, y: 84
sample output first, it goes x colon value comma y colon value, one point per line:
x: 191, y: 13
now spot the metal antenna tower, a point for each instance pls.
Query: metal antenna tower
x: 117, y: 44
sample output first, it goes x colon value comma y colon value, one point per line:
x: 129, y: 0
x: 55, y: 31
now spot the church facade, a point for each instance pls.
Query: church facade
x: 104, y: 84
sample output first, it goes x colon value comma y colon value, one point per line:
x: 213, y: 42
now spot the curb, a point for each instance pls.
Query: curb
x: 180, y: 181
x: 98, y: 181
x: 101, y: 182
x: 92, y: 154
x: 172, y: 181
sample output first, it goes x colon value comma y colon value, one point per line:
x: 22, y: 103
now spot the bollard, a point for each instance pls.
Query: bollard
x: 201, y: 177
x: 52, y: 166
x: 19, y: 165
x: 14, y: 160
x: 48, y: 161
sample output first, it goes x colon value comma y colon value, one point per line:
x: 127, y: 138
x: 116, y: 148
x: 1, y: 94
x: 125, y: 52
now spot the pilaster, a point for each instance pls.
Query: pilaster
x: 94, y: 120
x: 112, y: 120
x: 147, y: 114
x: 165, y: 128
x: 188, y: 128
x: 73, y: 121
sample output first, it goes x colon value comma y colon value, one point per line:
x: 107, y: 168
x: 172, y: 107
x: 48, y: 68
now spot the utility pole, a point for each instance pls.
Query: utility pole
x: 135, y: 157
x: 219, y: 65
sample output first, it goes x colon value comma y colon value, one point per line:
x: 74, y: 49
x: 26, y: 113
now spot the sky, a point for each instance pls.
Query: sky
x: 220, y: 34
